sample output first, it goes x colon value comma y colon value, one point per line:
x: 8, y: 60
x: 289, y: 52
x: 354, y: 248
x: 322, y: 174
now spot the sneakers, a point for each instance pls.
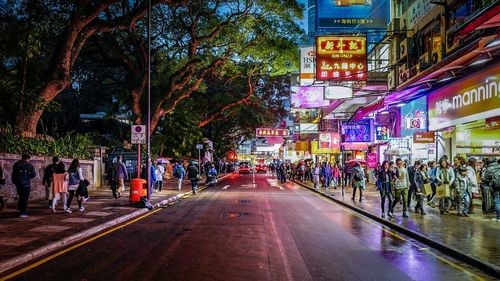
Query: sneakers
x: 383, y: 215
x: 23, y: 215
x: 85, y: 199
x: 68, y: 210
x: 405, y: 214
x: 390, y: 215
x: 81, y: 209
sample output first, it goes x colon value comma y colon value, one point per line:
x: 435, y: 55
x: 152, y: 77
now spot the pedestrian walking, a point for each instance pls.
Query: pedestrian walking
x: 47, y: 179
x: 22, y: 174
x: 194, y: 176
x: 59, y: 186
x: 422, y: 187
x: 212, y: 176
x: 3, y: 204
x: 412, y: 170
x: 120, y: 175
x: 401, y: 185
x: 179, y: 174
x: 432, y: 168
x: 326, y: 173
x: 445, y: 178
x: 316, y: 174
x: 384, y: 178
x: 472, y: 174
x: 336, y: 175
x: 462, y: 191
x: 160, y: 172
x: 75, y: 175
x: 358, y: 181
x: 491, y: 180
x: 348, y: 174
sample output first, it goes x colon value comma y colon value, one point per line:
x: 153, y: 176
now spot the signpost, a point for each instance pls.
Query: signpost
x: 199, y: 147
x: 138, y: 136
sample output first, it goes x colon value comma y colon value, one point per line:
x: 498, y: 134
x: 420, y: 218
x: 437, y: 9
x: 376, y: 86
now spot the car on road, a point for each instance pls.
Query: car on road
x: 244, y: 168
x: 261, y: 168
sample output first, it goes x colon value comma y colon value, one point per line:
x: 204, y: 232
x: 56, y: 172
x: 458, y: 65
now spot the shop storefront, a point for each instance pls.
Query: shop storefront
x: 466, y: 114
x: 327, y: 147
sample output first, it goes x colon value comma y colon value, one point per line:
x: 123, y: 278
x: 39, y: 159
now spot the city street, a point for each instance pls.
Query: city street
x: 244, y: 231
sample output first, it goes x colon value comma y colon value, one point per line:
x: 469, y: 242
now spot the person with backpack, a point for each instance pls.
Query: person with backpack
x: 22, y: 174
x: 59, y: 186
x: 194, y: 176
x: 358, y: 181
x: 179, y: 174
x: 491, y: 179
x: 47, y: 179
x: 75, y: 178
x: 401, y: 185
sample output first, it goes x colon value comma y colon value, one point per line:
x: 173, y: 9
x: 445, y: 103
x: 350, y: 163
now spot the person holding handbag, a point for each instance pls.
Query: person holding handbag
x: 75, y: 178
x: 445, y: 177
x: 422, y: 187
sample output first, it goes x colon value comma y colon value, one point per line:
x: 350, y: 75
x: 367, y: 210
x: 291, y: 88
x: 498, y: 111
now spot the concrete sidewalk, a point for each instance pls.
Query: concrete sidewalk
x: 25, y: 239
x: 476, y: 236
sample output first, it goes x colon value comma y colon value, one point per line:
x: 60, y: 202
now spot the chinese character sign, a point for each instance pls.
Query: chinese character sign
x: 358, y: 131
x: 341, y: 58
x: 271, y: 133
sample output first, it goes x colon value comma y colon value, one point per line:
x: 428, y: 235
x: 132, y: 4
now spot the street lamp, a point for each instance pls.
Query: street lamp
x: 149, y: 103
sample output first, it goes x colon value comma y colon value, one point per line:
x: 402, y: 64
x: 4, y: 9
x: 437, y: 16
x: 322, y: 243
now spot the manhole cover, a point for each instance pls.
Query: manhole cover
x: 235, y: 214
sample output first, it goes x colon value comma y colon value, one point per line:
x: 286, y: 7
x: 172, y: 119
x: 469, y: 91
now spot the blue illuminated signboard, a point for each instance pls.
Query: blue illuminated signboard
x: 352, y: 15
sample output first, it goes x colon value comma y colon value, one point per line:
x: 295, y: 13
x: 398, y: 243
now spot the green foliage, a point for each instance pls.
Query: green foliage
x: 70, y: 146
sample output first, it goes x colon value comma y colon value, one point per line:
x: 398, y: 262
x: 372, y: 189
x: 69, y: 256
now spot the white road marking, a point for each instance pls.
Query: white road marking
x: 274, y: 183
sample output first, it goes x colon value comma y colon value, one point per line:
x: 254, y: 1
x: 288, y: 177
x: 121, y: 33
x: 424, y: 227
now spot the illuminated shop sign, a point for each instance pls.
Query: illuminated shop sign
x: 341, y: 58
x: 358, y: 131
x: 270, y: 132
x: 308, y: 97
x: 307, y: 65
x: 352, y: 15
x: 472, y: 98
x: 414, y: 117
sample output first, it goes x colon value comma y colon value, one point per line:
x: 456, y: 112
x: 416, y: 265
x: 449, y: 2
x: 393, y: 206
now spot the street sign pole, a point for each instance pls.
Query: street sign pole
x: 199, y: 147
x: 139, y: 161
x: 148, y: 161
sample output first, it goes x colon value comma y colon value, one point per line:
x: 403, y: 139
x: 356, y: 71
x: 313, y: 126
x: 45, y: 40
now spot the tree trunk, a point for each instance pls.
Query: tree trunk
x: 136, y: 100
x: 28, y: 119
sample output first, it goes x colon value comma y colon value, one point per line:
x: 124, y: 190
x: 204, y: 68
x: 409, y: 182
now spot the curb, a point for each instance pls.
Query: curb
x: 487, y: 267
x: 34, y: 254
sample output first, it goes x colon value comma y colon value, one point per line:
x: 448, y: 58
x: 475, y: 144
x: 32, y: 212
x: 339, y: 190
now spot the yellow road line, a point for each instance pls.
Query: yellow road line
x: 44, y: 260
x: 448, y: 262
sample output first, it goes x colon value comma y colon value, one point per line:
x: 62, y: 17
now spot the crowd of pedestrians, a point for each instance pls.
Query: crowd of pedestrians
x: 451, y: 185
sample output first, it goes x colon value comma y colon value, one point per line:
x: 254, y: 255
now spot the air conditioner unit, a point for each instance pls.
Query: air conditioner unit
x: 404, y: 73
x: 436, y: 56
x: 394, y: 51
x: 393, y: 27
x: 392, y: 79
x: 423, y: 62
x: 405, y: 48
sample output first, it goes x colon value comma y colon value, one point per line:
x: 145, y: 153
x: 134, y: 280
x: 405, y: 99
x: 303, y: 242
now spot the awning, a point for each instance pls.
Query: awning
x: 490, y: 18
x: 362, y: 112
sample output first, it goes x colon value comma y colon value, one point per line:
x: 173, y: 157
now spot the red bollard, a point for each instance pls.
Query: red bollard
x: 137, y: 190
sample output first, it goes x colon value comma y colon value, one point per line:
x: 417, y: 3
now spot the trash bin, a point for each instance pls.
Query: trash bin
x: 137, y: 189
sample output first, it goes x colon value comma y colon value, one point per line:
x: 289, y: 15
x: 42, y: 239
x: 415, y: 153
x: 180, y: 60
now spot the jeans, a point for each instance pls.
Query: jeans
x: 496, y: 198
x: 404, y: 193
x: 360, y: 192
x: 194, y: 185
x: 463, y: 203
x: 159, y: 185
x: 24, y: 195
x: 179, y: 184
x: 327, y: 181
x: 316, y: 181
x: 383, y: 196
x: 411, y: 191
x: 70, y: 199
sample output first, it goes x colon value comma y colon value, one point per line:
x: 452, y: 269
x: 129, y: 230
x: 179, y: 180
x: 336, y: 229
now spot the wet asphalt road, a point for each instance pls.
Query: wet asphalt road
x: 241, y: 231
